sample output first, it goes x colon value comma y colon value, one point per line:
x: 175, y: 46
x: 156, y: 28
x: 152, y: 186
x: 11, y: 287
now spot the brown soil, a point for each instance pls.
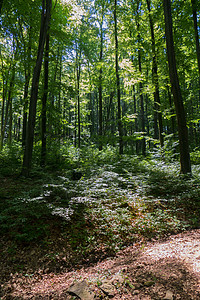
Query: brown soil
x: 150, y: 270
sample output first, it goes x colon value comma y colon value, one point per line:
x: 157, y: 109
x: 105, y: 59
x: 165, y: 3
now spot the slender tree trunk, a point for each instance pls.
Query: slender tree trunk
x: 158, y: 113
x: 112, y: 93
x: 52, y: 97
x: 178, y: 101
x: 143, y: 143
x: 10, y: 123
x: 78, y: 70
x: 173, y: 120
x: 59, y: 98
x: 194, y: 12
x: 27, y: 70
x: 24, y: 127
x: 8, y: 107
x: 45, y: 20
x: 120, y: 128
x: 136, y: 120
x: 100, y: 88
x: 2, y: 113
x: 44, y: 103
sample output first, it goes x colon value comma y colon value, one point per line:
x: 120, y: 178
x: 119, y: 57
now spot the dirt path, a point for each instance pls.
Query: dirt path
x: 154, y: 270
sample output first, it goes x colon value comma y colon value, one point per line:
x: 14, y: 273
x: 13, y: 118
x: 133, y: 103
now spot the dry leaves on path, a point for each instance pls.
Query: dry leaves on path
x: 154, y: 270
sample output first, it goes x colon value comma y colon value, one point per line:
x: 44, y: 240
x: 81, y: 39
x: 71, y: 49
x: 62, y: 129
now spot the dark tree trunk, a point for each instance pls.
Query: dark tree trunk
x: 45, y: 20
x: 194, y: 12
x: 10, y: 122
x: 111, y: 96
x: 1, y: 4
x: 44, y: 104
x: 158, y: 113
x: 178, y: 101
x: 120, y: 128
x: 8, y: 108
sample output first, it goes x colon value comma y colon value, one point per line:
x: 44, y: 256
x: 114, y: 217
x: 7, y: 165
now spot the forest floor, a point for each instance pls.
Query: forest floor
x: 126, y: 229
x: 165, y: 269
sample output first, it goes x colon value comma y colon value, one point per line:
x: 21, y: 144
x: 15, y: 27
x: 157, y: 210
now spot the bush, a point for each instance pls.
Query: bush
x: 10, y: 160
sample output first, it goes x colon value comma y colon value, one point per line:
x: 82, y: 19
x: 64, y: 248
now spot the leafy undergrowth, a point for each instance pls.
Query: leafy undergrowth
x: 58, y: 222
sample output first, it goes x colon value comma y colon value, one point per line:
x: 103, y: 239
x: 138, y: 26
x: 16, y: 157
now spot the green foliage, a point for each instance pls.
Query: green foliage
x: 10, y: 160
x: 118, y: 200
x: 24, y: 220
x: 195, y: 157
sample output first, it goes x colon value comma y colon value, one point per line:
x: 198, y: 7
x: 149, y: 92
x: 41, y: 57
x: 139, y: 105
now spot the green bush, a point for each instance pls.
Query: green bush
x: 10, y: 160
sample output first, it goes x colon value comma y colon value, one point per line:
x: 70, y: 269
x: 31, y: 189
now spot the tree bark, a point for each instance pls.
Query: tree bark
x: 8, y: 108
x: 176, y: 91
x: 45, y: 20
x: 2, y: 113
x: 157, y: 104
x: 27, y: 71
x: 100, y: 88
x: 78, y: 70
x: 142, y: 117
x: 120, y: 128
x: 194, y: 12
x: 136, y: 120
x: 44, y: 103
x: 1, y: 4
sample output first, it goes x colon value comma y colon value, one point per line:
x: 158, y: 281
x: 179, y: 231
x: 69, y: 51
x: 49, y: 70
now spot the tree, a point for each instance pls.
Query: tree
x: 120, y: 128
x: 44, y: 103
x: 157, y: 104
x: 1, y: 4
x: 143, y: 143
x: 45, y: 20
x: 194, y: 12
x: 100, y: 79
x: 178, y: 101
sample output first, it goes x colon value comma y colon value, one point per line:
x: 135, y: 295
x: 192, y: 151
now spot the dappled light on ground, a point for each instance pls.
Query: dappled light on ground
x: 113, y: 227
x: 146, y: 270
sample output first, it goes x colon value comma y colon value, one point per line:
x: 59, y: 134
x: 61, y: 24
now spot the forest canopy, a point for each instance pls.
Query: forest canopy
x: 119, y: 73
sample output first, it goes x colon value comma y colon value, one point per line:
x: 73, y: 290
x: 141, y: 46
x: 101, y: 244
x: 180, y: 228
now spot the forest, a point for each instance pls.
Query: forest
x: 99, y: 145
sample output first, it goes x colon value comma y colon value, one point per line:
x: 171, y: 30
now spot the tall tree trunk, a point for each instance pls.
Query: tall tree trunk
x: 59, y: 97
x: 52, y: 97
x: 120, y: 128
x: 10, y: 123
x: 44, y: 104
x: 78, y: 70
x: 111, y: 96
x: 100, y: 88
x: 178, y: 101
x: 24, y: 126
x: 142, y: 117
x: 27, y: 70
x: 173, y: 119
x: 2, y: 113
x: 194, y: 12
x: 136, y: 120
x: 8, y: 107
x: 158, y: 113
x: 45, y: 20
